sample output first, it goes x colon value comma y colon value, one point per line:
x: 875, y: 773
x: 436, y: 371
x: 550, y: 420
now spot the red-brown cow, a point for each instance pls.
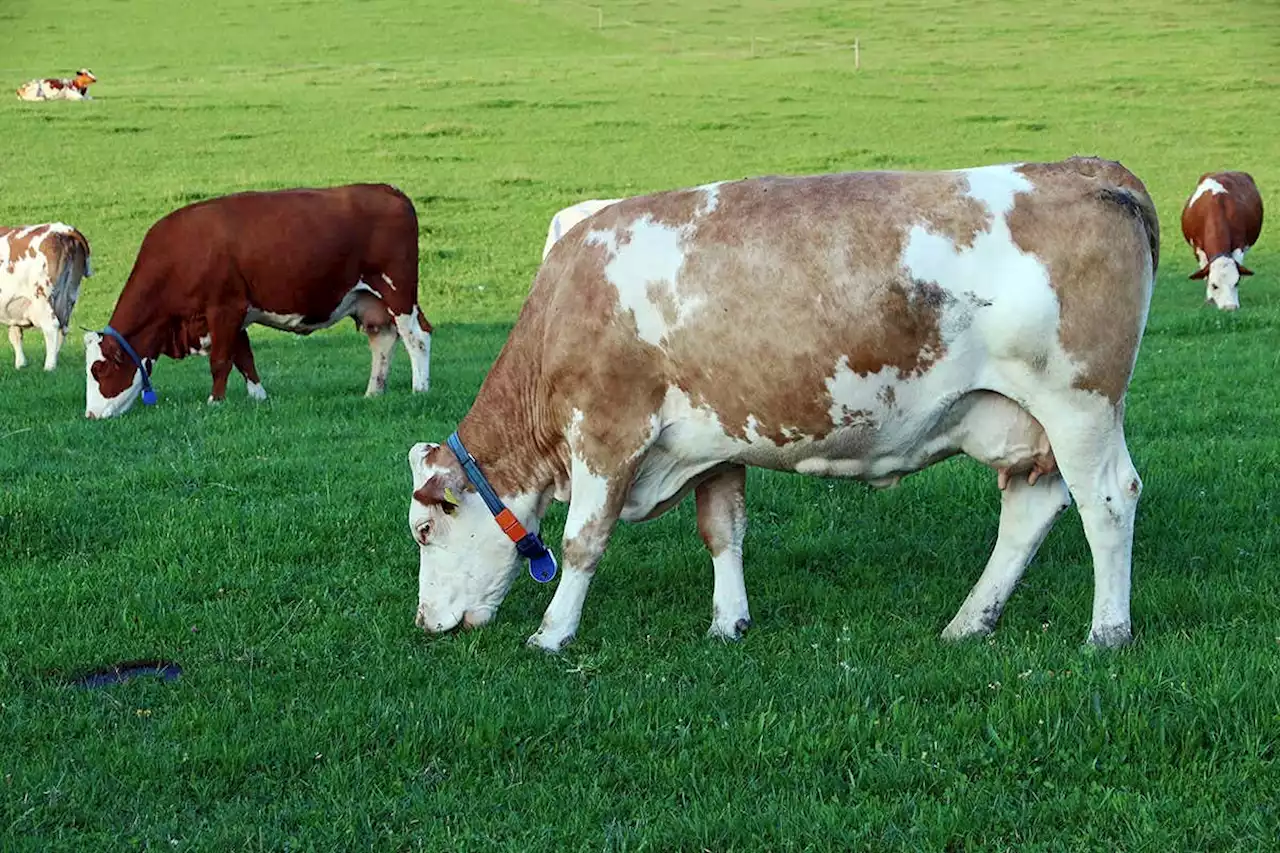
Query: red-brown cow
x: 1222, y: 221
x: 296, y: 260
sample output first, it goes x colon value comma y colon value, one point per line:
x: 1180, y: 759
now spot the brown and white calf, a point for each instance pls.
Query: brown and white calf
x: 859, y: 325
x: 53, y: 89
x: 1222, y: 221
x: 297, y: 260
x: 564, y: 220
x: 40, y: 271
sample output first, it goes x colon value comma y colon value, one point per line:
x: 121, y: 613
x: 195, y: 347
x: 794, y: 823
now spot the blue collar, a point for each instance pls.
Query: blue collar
x: 542, y: 563
x: 148, y: 393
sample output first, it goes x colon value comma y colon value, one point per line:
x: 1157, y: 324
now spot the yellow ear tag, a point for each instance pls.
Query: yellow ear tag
x: 450, y: 497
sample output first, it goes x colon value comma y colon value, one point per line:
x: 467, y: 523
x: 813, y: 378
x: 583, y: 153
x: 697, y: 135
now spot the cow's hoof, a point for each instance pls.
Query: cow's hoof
x: 214, y: 402
x: 1111, y: 637
x: 963, y: 631
x: 729, y: 632
x: 550, y: 645
x: 256, y: 391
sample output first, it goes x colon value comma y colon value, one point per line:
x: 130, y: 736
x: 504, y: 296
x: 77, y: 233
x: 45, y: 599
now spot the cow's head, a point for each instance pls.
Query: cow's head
x: 1223, y: 288
x: 466, y: 562
x: 112, y: 380
x: 83, y: 78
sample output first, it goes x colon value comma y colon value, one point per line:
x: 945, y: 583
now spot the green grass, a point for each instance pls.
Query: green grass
x: 266, y: 547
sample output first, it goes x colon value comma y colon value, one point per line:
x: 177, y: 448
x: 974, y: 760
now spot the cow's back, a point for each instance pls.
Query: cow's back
x: 286, y: 251
x: 763, y: 300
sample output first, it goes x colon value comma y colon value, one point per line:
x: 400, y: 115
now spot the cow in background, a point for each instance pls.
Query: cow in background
x: 296, y: 260
x: 1222, y: 221
x: 53, y: 89
x: 564, y: 220
x: 40, y: 271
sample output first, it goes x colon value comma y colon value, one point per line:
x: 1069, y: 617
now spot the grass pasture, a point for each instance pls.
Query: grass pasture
x: 265, y: 547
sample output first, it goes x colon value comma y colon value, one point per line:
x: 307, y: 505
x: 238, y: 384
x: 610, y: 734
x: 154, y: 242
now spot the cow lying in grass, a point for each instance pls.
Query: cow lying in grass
x: 40, y: 271
x: 53, y: 89
x: 860, y: 325
x: 296, y: 260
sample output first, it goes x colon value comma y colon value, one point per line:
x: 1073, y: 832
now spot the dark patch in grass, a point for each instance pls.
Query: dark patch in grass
x: 442, y: 254
x: 235, y: 137
x: 126, y: 128
x: 621, y: 122
x: 499, y: 104
x: 573, y: 105
x: 983, y: 119
x: 191, y: 196
x: 432, y: 198
x: 519, y: 181
x: 717, y: 125
x: 1033, y: 126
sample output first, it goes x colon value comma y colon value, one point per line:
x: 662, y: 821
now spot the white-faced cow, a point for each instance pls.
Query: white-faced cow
x: 40, y: 271
x: 297, y: 260
x: 54, y: 89
x: 564, y: 220
x: 1222, y: 221
x: 860, y: 325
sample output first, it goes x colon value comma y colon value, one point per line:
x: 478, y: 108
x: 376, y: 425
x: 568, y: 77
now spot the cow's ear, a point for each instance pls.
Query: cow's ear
x: 1199, y: 274
x: 1244, y: 270
x: 435, y: 492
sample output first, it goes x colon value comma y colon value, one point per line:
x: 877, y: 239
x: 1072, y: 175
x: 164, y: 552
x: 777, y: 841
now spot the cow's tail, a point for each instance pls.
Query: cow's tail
x: 1137, y: 204
x: 71, y: 262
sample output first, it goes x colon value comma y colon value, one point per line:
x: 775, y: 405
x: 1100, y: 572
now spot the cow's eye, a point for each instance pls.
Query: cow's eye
x: 422, y: 531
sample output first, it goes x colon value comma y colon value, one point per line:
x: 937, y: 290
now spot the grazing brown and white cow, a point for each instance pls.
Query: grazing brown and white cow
x: 297, y: 260
x: 1222, y: 221
x: 564, y: 220
x: 860, y: 325
x: 53, y: 89
x: 40, y: 271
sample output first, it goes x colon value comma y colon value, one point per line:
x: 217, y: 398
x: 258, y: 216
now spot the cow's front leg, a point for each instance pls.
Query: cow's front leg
x: 222, y: 350
x: 242, y: 356
x: 722, y: 521
x: 594, y: 507
x: 15, y: 338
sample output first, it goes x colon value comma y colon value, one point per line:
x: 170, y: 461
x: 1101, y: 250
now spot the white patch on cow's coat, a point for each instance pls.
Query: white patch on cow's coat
x: 564, y: 220
x: 1202, y: 257
x: 588, y: 489
x: 256, y: 391
x: 1208, y: 185
x: 651, y: 258
x: 417, y: 343
x: 388, y: 280
x: 711, y: 197
x: 297, y: 322
x: 96, y: 405
x: 1018, y: 321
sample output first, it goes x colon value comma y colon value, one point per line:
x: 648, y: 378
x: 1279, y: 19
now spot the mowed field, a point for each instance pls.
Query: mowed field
x: 265, y: 547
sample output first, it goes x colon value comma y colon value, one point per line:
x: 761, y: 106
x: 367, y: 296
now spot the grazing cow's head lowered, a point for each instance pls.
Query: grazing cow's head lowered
x: 466, y: 564
x: 112, y: 379
x: 1223, y: 286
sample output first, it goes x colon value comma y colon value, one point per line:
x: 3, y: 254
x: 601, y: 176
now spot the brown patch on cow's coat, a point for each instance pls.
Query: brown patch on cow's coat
x: 1100, y: 278
x: 20, y: 244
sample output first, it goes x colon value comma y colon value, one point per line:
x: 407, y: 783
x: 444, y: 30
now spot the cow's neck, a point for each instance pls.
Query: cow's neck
x: 1217, y: 236
x: 508, y: 430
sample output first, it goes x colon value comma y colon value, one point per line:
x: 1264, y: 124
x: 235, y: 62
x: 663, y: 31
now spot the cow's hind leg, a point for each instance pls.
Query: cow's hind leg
x: 415, y: 332
x: 15, y: 338
x: 722, y: 521
x: 1027, y: 512
x: 242, y: 357
x: 1086, y: 431
x: 41, y: 315
x: 594, y: 507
